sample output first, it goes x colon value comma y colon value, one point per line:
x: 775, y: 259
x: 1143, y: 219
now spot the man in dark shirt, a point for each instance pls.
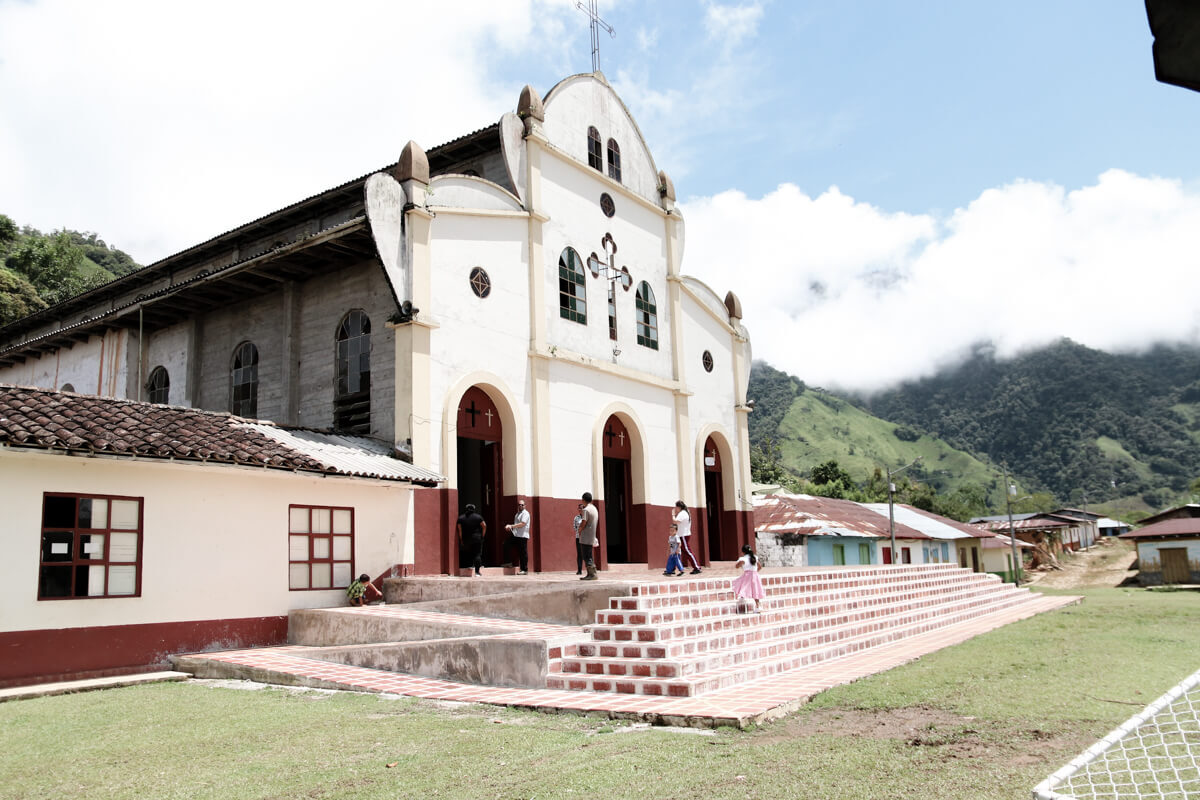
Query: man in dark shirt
x: 471, y: 530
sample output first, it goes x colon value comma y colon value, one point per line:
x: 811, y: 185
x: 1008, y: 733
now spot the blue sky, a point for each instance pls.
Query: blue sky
x: 882, y: 183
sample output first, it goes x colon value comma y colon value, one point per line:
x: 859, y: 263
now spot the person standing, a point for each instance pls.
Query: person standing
x: 471, y: 530
x: 673, y: 562
x: 588, y: 534
x: 580, y: 553
x: 683, y: 519
x: 520, y: 536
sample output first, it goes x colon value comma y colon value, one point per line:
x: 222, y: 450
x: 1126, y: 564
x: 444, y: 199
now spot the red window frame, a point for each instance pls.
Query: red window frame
x: 78, y: 564
x: 320, y: 548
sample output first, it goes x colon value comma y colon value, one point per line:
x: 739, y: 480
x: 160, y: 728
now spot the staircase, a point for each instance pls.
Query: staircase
x: 688, y: 637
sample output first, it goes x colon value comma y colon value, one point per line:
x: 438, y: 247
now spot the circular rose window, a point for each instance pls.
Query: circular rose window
x: 481, y: 284
x: 607, y: 205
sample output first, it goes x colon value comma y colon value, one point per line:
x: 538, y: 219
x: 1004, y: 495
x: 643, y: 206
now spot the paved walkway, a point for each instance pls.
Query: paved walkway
x: 745, y: 704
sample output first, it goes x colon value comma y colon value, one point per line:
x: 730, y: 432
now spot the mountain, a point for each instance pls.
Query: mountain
x: 1066, y: 419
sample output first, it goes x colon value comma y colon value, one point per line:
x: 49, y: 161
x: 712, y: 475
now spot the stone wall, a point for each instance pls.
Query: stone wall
x: 781, y: 549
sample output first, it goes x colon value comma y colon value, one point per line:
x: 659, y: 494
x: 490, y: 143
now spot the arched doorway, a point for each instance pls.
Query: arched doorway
x: 481, y: 469
x: 714, y: 510
x: 617, y: 449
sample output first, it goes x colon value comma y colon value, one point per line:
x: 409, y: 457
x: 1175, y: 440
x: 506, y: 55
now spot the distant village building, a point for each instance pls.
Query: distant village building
x: 1168, y: 547
x: 804, y: 530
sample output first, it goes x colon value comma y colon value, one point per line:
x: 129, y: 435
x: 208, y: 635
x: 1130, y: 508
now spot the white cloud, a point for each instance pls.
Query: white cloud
x: 161, y: 124
x: 731, y: 24
x: 840, y: 293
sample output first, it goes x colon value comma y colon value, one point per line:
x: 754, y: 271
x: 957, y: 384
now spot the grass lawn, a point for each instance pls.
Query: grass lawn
x: 989, y: 718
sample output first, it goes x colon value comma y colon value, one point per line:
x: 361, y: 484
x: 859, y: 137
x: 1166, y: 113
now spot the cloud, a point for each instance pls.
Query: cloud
x: 732, y: 24
x: 843, y: 294
x: 161, y: 125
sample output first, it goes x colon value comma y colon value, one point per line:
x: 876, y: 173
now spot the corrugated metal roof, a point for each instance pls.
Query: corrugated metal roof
x: 348, y: 455
x: 928, y: 523
x: 823, y: 516
x: 1180, y: 526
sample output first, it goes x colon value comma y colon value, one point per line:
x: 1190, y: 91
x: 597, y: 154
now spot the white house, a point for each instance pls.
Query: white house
x: 135, y: 530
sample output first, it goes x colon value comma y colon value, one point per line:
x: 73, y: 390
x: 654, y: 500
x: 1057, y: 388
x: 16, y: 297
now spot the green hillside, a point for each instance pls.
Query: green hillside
x: 818, y: 427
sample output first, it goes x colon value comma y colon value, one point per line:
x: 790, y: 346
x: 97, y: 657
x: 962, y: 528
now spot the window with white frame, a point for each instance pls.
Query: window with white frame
x: 320, y: 547
x: 91, y: 546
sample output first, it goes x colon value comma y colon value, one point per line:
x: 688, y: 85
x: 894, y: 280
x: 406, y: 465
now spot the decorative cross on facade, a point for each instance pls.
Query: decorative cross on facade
x: 596, y: 24
x: 621, y: 436
x: 488, y: 414
x: 472, y: 411
x: 610, y: 435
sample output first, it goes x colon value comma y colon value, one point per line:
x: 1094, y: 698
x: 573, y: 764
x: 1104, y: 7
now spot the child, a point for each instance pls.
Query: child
x: 362, y: 591
x: 749, y: 584
x: 674, y: 562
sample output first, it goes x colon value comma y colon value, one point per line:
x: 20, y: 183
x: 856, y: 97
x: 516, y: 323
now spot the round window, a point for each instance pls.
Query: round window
x: 607, y: 205
x: 707, y: 360
x: 481, y: 284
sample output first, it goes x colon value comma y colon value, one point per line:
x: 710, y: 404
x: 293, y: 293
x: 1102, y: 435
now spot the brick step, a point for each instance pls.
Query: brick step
x: 692, y: 656
x: 662, y: 594
x: 742, y: 628
x: 754, y: 669
x: 711, y: 603
x: 722, y: 615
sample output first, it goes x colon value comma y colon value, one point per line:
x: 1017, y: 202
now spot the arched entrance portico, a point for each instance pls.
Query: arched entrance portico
x: 617, y: 448
x: 720, y: 524
x: 480, y: 473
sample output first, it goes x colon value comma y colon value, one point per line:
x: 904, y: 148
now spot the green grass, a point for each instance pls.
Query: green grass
x: 989, y: 718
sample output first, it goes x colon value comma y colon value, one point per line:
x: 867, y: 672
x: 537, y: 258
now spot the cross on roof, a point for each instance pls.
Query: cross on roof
x: 596, y: 24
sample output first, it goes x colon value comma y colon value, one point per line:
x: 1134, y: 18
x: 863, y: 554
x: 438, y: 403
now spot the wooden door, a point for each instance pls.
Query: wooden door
x: 1174, y: 565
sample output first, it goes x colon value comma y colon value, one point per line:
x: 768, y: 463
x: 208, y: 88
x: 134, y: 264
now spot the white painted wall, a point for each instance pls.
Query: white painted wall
x: 215, y: 539
x: 1148, y: 551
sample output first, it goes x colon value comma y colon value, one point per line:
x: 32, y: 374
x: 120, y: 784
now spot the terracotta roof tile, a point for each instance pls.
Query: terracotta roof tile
x: 67, y: 421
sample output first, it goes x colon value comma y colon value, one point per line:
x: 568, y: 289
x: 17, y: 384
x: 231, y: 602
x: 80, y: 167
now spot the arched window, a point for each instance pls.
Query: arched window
x: 572, y: 292
x: 647, y: 317
x: 595, y: 154
x: 67, y: 387
x: 352, y: 399
x: 243, y: 381
x: 158, y: 387
x: 614, y: 160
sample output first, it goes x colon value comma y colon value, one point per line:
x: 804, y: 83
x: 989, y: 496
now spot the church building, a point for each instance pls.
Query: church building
x: 507, y: 312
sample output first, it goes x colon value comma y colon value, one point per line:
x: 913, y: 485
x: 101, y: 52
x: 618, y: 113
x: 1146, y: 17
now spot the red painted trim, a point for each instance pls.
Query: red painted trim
x: 66, y: 653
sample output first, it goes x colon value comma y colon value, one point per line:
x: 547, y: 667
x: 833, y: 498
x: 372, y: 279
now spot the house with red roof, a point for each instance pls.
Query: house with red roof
x: 137, y: 530
x: 1168, y: 549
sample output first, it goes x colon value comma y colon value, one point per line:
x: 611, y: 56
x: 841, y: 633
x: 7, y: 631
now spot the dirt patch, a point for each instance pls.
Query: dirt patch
x: 1107, y: 563
x: 952, y: 735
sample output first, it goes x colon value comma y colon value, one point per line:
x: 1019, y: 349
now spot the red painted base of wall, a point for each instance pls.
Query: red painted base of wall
x: 72, y: 653
x: 552, y: 544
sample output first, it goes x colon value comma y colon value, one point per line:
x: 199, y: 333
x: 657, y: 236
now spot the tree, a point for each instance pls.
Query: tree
x: 765, y: 466
x: 18, y: 297
x: 51, y: 264
x: 831, y: 472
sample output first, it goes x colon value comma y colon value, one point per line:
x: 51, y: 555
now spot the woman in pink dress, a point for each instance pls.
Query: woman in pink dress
x: 749, y: 584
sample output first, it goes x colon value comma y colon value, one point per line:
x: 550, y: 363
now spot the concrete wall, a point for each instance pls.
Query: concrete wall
x: 821, y: 553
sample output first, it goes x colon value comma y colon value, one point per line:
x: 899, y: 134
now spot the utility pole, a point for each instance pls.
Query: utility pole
x: 1010, y: 490
x: 891, y: 502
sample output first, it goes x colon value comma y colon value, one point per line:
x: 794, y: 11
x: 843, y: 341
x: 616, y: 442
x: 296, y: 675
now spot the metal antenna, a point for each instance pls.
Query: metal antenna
x: 596, y: 25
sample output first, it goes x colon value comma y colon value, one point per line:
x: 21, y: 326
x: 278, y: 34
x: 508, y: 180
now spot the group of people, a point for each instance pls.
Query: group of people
x: 472, y: 528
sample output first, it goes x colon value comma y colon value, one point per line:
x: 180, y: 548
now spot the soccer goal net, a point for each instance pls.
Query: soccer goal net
x: 1156, y: 754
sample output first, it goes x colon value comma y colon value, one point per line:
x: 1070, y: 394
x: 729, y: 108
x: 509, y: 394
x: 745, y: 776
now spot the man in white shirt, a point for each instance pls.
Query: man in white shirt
x: 520, y: 536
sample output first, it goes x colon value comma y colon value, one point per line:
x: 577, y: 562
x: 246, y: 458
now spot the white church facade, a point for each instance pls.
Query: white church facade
x: 509, y: 311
